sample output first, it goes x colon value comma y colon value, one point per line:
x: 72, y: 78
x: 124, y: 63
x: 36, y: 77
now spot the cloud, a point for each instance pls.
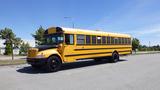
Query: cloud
x: 139, y: 18
x: 126, y: 14
x: 147, y: 34
x: 152, y: 30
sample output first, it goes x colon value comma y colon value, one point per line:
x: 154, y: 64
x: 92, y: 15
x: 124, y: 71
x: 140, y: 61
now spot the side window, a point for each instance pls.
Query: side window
x: 69, y: 39
x: 108, y: 40
x: 93, y: 39
x: 88, y: 39
x: 103, y: 40
x: 129, y: 41
x: 120, y: 40
x: 123, y: 41
x: 112, y: 40
x: 80, y: 39
x: 99, y: 38
x: 126, y: 40
x: 116, y: 41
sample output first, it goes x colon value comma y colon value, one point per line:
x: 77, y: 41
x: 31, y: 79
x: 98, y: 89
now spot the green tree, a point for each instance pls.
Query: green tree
x: 8, y: 49
x: 8, y: 36
x: 24, y: 48
x: 10, y: 40
x: 135, y: 44
x: 17, y: 42
x: 38, y: 36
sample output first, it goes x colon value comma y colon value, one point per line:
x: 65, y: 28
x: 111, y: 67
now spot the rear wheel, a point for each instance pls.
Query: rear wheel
x: 53, y: 64
x: 115, y: 57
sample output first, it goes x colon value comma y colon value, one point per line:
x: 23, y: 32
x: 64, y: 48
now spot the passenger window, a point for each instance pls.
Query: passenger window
x: 112, y: 40
x: 88, y: 39
x: 123, y: 41
x: 69, y: 39
x: 116, y: 41
x: 80, y: 39
x: 129, y: 40
x: 108, y: 40
x: 99, y: 38
x: 103, y: 40
x: 120, y: 40
x: 93, y: 39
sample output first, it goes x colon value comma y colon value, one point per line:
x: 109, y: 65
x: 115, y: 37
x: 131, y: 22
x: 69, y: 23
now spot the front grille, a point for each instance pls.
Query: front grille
x: 32, y: 52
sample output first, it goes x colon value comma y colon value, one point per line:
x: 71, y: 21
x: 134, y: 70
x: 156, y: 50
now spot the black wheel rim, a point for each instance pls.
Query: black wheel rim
x: 115, y: 57
x: 54, y: 64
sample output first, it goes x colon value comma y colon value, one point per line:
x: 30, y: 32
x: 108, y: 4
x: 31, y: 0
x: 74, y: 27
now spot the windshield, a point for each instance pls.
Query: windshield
x: 53, y: 39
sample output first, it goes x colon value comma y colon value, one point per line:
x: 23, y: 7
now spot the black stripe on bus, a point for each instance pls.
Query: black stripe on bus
x: 93, y: 53
x: 99, y: 48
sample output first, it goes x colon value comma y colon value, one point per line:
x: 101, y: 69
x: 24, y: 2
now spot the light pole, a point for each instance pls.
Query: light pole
x: 73, y: 25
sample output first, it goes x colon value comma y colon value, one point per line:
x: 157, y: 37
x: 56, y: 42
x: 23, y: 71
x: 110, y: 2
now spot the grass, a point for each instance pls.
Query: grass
x: 11, y: 62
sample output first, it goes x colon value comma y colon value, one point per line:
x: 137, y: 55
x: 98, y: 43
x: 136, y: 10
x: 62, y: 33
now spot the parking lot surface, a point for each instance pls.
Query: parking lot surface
x: 137, y: 72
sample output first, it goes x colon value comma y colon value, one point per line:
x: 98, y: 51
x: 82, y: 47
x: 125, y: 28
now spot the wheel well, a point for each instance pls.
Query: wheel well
x: 115, y: 52
x: 56, y: 56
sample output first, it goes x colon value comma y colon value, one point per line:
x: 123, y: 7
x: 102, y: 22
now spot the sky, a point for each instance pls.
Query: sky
x: 139, y: 18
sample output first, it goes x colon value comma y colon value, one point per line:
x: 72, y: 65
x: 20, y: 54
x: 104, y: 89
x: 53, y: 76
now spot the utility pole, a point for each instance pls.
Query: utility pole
x: 73, y: 25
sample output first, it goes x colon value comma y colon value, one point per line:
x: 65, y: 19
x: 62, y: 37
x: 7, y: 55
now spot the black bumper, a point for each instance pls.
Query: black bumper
x: 35, y: 61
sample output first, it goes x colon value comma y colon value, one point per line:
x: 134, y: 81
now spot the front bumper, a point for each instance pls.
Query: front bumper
x: 37, y: 61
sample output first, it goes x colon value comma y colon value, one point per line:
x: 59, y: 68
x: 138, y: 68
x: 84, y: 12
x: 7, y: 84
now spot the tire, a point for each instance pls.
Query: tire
x: 36, y: 66
x: 53, y: 64
x: 115, y: 57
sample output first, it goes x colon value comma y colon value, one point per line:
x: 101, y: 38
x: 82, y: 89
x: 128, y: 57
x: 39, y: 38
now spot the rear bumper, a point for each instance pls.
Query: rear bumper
x: 37, y: 61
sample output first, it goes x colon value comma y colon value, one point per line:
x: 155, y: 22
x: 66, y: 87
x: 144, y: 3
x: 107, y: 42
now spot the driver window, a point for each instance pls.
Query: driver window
x: 69, y: 39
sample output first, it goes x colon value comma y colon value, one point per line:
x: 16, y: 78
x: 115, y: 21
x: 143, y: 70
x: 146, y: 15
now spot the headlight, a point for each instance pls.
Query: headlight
x: 40, y: 56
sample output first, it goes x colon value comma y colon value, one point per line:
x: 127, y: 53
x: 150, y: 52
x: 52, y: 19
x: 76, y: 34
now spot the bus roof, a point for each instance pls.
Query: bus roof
x: 88, y: 32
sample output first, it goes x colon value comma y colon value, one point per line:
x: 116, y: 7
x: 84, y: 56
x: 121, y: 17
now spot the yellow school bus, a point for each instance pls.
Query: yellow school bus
x: 63, y: 45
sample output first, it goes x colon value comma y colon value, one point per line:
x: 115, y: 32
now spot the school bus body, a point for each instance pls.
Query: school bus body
x: 81, y: 44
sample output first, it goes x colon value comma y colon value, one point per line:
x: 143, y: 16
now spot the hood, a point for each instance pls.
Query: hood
x: 44, y: 47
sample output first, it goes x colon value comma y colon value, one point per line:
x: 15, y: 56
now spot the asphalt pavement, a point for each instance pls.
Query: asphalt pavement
x: 136, y: 72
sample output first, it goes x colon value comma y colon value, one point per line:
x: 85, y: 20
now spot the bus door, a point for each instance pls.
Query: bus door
x: 69, y: 48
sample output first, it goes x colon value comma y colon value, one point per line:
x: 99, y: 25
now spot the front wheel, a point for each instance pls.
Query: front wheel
x: 53, y: 64
x: 115, y: 57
